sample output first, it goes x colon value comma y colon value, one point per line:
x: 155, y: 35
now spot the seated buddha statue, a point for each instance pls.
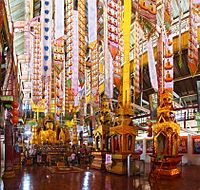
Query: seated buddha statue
x: 47, y: 135
x: 168, y: 65
x: 168, y: 77
x: 143, y: 5
x: 62, y: 137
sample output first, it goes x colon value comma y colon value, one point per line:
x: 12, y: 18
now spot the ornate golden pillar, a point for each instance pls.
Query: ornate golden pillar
x: 75, y: 136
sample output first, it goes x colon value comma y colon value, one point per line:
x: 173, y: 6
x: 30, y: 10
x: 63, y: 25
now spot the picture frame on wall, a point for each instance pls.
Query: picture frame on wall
x: 149, y: 146
x: 196, y: 144
x: 183, y: 144
x: 139, y: 146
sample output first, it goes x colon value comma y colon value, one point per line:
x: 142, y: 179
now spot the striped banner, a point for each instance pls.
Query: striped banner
x: 58, y: 70
x: 136, y: 58
x: 36, y: 62
x: 46, y: 51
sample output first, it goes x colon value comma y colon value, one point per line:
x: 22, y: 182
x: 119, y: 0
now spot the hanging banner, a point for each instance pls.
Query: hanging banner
x: 136, y: 58
x: 192, y: 42
x: 114, y: 13
x: 58, y: 71
x: 168, y: 64
x: 46, y: 50
x: 92, y: 21
x: 117, y: 75
x: 59, y: 19
x: 108, y: 80
x: 75, y: 58
x: 35, y: 51
x: 146, y: 9
x: 152, y: 66
x: 69, y: 96
x: 168, y: 48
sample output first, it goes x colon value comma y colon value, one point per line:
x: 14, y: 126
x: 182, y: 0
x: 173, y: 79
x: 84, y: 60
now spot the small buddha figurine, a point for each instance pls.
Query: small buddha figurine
x: 143, y: 5
x: 168, y: 65
x: 151, y: 9
x: 168, y: 77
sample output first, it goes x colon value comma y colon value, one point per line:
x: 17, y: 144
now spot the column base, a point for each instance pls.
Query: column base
x: 119, y: 165
x: 99, y: 160
x: 8, y: 174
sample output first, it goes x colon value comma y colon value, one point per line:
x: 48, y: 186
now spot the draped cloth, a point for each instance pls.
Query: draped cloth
x: 152, y: 66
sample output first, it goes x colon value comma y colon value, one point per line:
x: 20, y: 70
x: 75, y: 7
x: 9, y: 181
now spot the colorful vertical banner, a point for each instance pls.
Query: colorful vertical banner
x: 36, y: 61
x: 92, y: 32
x: 117, y: 75
x: 113, y: 27
x: 81, y: 43
x: 168, y: 48
x: 69, y: 95
x: 46, y: 51
x: 136, y: 58
x: 147, y: 9
x: 59, y: 58
x: 192, y: 41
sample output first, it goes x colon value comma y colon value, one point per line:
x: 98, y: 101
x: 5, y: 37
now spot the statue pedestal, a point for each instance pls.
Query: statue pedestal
x: 166, y: 166
x: 99, y: 160
x: 119, y: 165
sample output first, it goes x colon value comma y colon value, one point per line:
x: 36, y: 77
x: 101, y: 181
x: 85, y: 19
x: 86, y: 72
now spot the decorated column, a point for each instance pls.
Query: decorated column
x: 166, y: 130
x: 9, y: 170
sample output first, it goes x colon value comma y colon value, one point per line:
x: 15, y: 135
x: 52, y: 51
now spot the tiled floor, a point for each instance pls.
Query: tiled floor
x: 39, y: 178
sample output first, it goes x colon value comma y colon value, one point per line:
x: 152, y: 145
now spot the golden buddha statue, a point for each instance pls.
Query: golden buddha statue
x: 47, y: 135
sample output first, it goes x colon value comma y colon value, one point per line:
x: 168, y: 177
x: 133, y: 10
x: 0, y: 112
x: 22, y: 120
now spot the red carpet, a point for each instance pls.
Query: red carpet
x: 64, y: 169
